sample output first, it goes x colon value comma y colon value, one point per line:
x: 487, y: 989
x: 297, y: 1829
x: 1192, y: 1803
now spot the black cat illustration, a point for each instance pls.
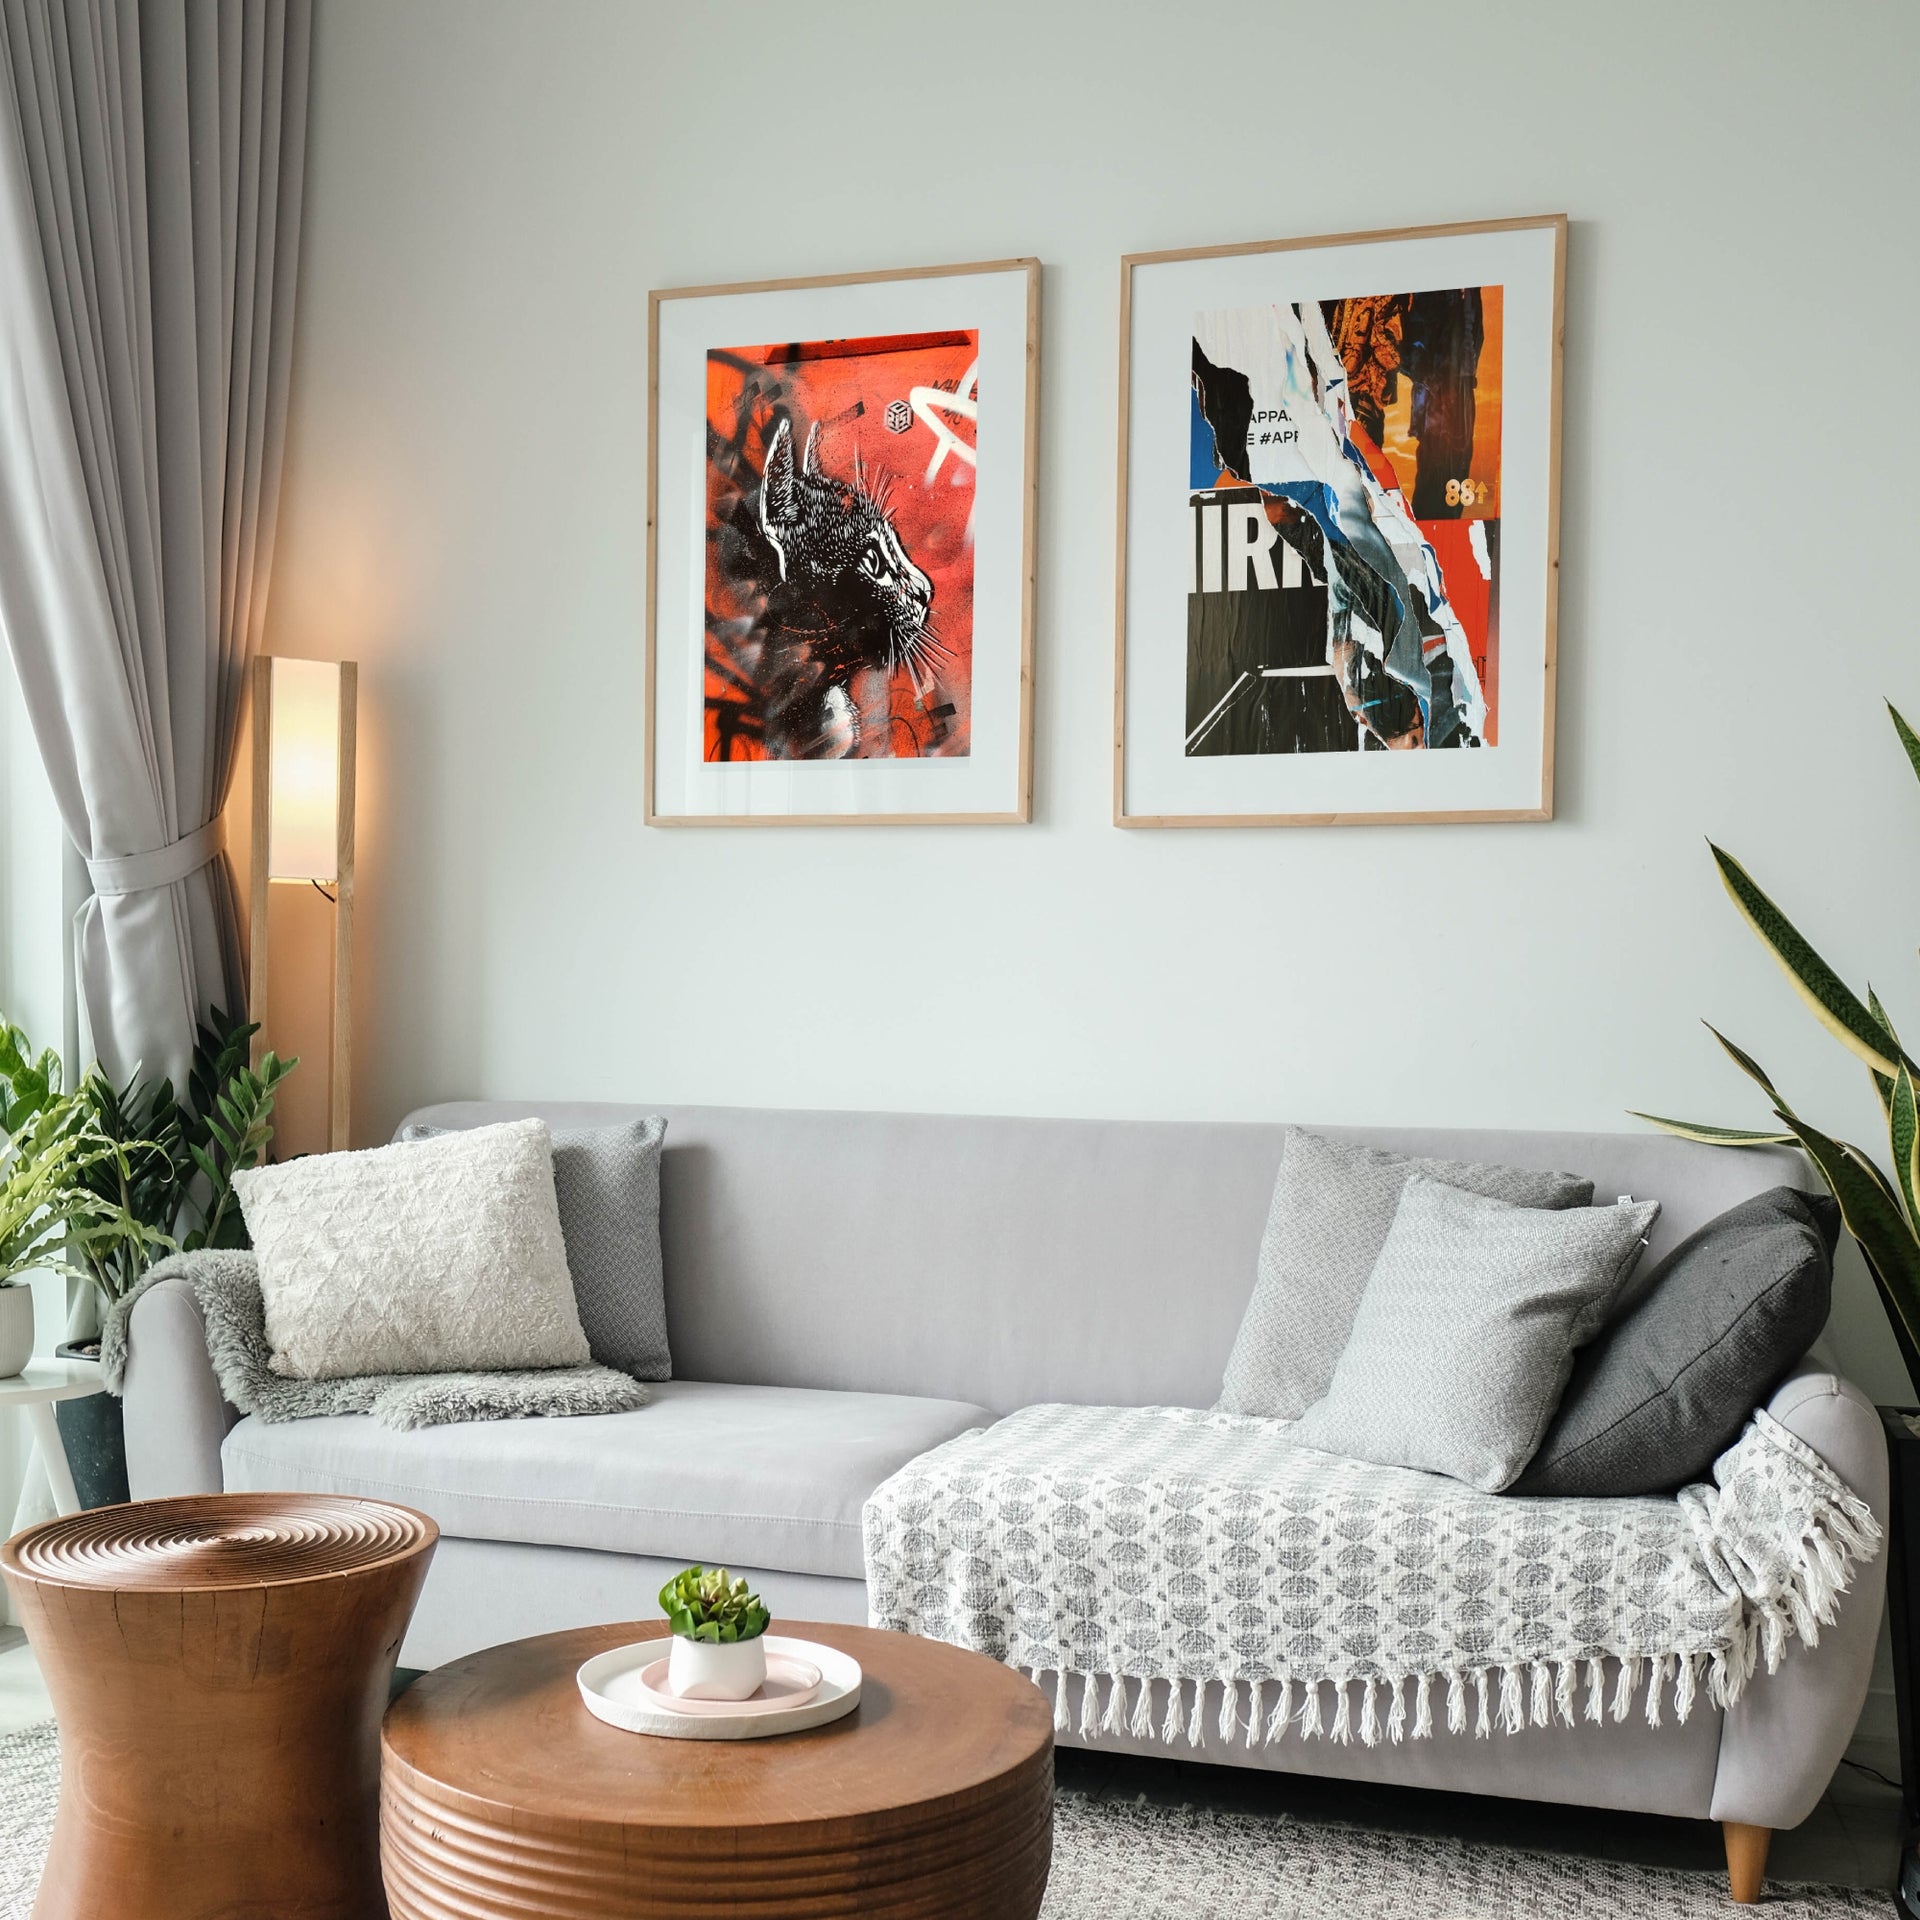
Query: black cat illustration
x: 844, y: 598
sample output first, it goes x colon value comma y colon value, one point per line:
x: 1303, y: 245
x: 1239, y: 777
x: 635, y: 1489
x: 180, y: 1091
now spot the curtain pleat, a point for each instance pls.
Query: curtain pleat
x: 151, y: 173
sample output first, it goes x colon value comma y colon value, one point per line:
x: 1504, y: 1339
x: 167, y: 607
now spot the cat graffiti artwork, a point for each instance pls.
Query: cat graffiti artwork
x: 839, y: 549
x: 1343, y: 525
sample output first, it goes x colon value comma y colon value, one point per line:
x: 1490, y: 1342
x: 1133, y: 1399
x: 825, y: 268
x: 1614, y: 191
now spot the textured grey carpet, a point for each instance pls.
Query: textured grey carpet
x: 1132, y: 1860
x: 29, y: 1781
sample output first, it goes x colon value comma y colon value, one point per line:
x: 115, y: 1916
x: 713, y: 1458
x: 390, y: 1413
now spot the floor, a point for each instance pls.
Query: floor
x: 1851, y: 1839
x: 23, y: 1700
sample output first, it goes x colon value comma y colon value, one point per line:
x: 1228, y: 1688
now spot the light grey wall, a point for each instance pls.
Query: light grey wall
x: 494, y: 189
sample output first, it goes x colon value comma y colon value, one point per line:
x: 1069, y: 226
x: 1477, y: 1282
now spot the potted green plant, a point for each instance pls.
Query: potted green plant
x: 52, y: 1168
x: 38, y: 1203
x: 1882, y: 1213
x: 145, y: 1173
x: 29, y: 1233
x: 719, y: 1648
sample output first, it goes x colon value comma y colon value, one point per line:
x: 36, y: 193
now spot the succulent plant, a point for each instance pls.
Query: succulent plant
x: 708, y: 1603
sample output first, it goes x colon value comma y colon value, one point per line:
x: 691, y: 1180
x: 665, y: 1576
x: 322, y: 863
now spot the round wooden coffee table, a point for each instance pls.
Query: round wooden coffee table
x: 501, y: 1795
x: 218, y: 1666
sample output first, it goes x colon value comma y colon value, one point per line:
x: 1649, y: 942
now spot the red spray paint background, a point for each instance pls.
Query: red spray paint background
x: 861, y: 395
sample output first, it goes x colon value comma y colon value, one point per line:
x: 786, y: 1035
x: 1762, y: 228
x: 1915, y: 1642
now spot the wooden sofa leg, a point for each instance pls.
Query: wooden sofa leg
x: 1746, y: 1859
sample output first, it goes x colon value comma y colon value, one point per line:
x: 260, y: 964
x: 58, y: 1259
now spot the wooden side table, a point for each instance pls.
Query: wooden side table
x: 219, y: 1666
x: 36, y: 1389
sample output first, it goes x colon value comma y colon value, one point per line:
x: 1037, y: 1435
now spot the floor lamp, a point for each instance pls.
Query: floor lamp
x: 303, y: 751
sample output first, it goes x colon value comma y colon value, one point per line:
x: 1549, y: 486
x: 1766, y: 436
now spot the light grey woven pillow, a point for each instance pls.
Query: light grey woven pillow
x: 1466, y: 1332
x: 608, y: 1183
x: 1333, y: 1202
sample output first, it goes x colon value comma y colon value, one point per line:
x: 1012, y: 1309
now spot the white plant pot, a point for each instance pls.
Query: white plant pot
x: 16, y: 1329
x: 707, y: 1670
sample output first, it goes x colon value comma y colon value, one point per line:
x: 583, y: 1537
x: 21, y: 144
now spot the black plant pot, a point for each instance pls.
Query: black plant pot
x: 93, y: 1433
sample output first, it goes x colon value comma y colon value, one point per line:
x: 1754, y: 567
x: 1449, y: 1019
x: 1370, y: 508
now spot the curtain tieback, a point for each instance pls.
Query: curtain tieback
x: 159, y: 866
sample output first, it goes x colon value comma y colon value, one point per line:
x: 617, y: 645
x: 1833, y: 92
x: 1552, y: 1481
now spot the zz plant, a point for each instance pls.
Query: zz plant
x: 708, y: 1603
x: 1882, y: 1213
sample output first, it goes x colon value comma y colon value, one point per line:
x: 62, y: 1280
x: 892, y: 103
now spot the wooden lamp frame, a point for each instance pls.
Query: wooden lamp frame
x: 339, y: 1085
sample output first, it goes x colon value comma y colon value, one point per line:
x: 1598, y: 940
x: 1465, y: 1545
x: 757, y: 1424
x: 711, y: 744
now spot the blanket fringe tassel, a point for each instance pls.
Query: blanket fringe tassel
x: 1282, y: 1711
x: 1377, y: 1707
x: 1141, y: 1726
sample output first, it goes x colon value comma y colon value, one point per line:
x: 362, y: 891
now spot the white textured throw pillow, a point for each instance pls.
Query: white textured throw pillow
x: 433, y: 1257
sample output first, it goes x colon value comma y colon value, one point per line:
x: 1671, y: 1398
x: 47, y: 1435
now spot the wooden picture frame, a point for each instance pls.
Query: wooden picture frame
x: 1503, y: 278
x: 900, y: 713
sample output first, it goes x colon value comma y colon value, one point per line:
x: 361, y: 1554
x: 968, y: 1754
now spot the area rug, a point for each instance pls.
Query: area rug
x: 29, y: 1784
x: 1134, y: 1860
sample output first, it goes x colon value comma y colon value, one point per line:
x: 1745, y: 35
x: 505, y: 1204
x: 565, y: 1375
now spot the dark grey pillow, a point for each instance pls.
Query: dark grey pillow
x: 607, y: 1180
x: 1668, y: 1387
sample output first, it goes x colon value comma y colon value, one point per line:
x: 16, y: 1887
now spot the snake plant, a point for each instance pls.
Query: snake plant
x: 708, y: 1603
x: 1882, y: 1213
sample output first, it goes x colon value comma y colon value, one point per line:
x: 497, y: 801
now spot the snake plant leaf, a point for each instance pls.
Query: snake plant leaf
x: 1713, y: 1136
x: 1746, y: 1063
x: 1903, y: 1129
x: 1882, y: 1085
x: 1834, y: 1004
x: 1908, y: 738
x: 1872, y: 1214
x: 1880, y: 1014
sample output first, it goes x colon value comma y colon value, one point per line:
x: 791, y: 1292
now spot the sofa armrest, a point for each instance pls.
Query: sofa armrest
x: 175, y: 1412
x: 1784, y: 1737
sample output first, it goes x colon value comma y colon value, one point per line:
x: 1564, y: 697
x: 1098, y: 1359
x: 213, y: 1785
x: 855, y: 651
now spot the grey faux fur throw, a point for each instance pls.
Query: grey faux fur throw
x: 227, y: 1286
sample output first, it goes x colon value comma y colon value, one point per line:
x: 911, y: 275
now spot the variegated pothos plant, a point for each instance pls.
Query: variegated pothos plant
x: 1882, y: 1214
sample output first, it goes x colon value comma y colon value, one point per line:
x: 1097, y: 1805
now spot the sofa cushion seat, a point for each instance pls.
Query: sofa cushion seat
x: 771, y: 1477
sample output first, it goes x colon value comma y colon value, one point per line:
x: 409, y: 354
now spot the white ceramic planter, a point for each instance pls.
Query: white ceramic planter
x: 708, y: 1670
x: 16, y: 1329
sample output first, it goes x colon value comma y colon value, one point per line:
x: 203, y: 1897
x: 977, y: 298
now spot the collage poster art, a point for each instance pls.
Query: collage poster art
x: 1343, y: 537
x: 840, y: 548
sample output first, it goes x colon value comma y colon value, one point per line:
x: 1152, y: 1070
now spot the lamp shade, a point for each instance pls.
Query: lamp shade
x: 303, y: 841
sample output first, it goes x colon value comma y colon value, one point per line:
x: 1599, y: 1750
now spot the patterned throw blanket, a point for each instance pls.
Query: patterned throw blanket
x: 1120, y: 1546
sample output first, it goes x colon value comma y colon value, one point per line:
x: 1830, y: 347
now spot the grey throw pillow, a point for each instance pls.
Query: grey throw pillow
x: 607, y: 1180
x: 1332, y: 1205
x: 1466, y: 1332
x: 1669, y: 1385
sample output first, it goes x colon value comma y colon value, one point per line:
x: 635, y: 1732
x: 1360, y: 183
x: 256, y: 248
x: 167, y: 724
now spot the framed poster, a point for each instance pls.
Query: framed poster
x: 840, y: 549
x: 1339, y: 529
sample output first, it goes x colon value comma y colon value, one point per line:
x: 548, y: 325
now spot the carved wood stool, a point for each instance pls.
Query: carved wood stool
x: 219, y: 1666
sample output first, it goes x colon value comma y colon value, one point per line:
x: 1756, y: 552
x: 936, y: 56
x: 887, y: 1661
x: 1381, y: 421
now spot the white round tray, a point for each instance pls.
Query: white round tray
x: 610, y: 1686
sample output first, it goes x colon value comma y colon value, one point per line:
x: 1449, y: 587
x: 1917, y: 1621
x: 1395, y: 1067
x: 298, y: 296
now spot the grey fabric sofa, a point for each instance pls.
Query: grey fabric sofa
x: 846, y: 1290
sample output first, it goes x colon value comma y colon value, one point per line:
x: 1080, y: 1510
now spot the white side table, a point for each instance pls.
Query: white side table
x: 36, y: 1390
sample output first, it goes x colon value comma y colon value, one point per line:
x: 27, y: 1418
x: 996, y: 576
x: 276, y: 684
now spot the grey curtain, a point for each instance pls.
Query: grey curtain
x: 151, y: 164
